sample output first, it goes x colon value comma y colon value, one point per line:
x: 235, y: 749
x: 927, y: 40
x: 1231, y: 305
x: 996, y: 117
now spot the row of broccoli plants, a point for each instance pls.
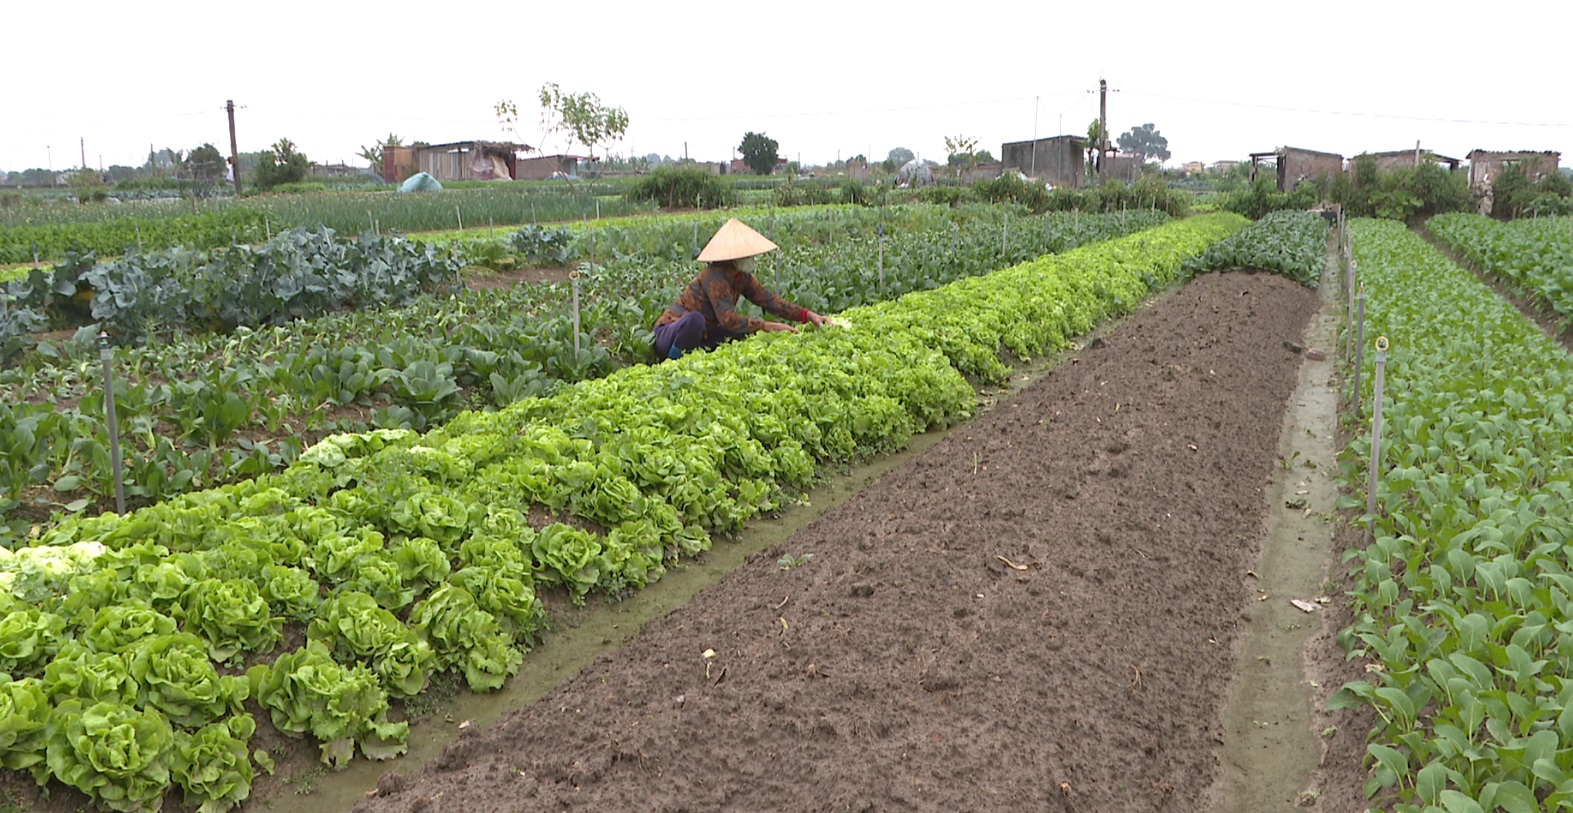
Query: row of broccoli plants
x: 1288, y: 243
x: 1535, y: 254
x: 1463, y: 603
x: 139, y: 649
x: 211, y: 408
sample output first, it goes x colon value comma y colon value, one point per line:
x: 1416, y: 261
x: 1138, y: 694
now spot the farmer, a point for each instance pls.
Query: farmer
x: 705, y: 315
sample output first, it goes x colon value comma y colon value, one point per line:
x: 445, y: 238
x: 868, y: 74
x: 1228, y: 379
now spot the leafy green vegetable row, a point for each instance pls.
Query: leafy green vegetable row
x: 217, y: 223
x: 403, y: 555
x: 1288, y: 243
x: 211, y: 408
x: 117, y: 236
x: 297, y: 274
x: 1463, y: 605
x: 1536, y: 254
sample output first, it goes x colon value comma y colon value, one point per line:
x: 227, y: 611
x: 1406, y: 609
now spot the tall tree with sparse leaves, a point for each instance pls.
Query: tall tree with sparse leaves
x: 580, y: 115
x: 760, y: 152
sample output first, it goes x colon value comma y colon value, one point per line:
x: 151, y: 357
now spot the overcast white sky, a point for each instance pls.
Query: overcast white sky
x: 825, y: 79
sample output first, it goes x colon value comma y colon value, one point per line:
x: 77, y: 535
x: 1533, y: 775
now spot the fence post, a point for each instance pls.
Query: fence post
x: 1359, y: 328
x: 113, y: 424
x: 1376, y: 428
x: 573, y: 277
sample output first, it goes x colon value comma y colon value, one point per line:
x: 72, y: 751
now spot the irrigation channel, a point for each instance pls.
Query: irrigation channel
x: 1069, y: 603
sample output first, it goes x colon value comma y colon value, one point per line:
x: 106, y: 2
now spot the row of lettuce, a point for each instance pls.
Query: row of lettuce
x: 401, y: 555
x: 1535, y: 254
x: 200, y: 409
x: 1463, y: 603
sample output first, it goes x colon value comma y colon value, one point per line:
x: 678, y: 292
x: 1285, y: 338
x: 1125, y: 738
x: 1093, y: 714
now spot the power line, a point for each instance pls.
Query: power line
x: 1361, y: 114
x: 807, y: 114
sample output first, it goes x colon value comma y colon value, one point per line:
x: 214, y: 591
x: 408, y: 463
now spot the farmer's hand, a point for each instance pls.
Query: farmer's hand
x: 816, y: 319
x: 774, y: 326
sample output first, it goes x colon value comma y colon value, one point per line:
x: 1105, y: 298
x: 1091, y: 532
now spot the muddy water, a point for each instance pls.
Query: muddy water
x: 585, y: 633
x: 1270, y: 751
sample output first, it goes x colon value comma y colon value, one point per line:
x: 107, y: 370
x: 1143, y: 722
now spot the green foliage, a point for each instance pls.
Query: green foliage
x: 1288, y: 243
x: 281, y: 164
x: 118, y: 756
x: 1145, y: 141
x: 296, y: 274
x: 581, y: 114
x: 682, y: 464
x: 119, y: 235
x: 760, y: 152
x: 213, y: 766
x: 1406, y: 193
x: 24, y: 718
x: 1514, y: 195
x: 206, y: 163
x: 307, y: 692
x: 682, y: 187
x: 174, y: 675
x: 1263, y: 198
x: 1457, y: 601
x: 1535, y: 255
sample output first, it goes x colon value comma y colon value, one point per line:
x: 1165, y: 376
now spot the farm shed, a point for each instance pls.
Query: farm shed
x: 1121, y: 167
x: 1393, y: 159
x: 1060, y: 160
x: 455, y: 161
x: 1296, y: 165
x: 1484, y: 165
x: 543, y: 167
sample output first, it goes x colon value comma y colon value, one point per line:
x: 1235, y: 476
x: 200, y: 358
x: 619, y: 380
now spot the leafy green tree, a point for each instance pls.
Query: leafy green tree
x: 88, y: 185
x: 900, y: 156
x: 206, y: 163
x: 985, y: 157
x: 1145, y: 141
x: 373, y: 154
x: 759, y: 152
x: 281, y: 164
x: 1094, y: 138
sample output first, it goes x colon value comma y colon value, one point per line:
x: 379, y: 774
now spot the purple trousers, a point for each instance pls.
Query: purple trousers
x: 685, y: 334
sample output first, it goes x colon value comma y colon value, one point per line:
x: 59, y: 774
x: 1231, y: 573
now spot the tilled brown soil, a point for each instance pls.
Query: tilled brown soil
x: 1039, y: 613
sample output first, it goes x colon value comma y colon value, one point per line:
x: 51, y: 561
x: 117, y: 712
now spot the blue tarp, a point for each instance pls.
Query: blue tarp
x: 421, y: 182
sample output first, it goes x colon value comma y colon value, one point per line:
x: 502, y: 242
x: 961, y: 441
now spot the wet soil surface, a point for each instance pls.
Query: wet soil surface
x: 1038, y: 613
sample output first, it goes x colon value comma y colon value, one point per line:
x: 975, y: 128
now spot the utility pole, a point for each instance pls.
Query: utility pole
x: 1103, y: 122
x: 234, y: 150
x: 1417, y: 153
x: 1033, y: 171
x: 83, y: 141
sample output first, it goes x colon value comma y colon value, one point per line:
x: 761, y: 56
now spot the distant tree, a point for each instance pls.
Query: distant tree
x: 205, y: 163
x: 860, y: 158
x: 759, y: 152
x: 1094, y: 138
x: 900, y: 156
x: 960, y: 153
x: 373, y: 154
x: 281, y: 164
x: 88, y: 185
x: 580, y: 115
x: 37, y: 176
x: 985, y: 157
x: 1145, y: 141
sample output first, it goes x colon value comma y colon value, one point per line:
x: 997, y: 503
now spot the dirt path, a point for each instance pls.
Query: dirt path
x: 1272, y: 749
x: 1039, y: 613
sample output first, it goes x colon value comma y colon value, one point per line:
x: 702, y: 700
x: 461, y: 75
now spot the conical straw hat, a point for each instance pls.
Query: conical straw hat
x: 735, y: 240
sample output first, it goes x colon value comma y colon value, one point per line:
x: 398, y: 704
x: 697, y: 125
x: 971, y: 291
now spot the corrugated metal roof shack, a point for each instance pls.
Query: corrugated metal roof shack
x: 455, y: 161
